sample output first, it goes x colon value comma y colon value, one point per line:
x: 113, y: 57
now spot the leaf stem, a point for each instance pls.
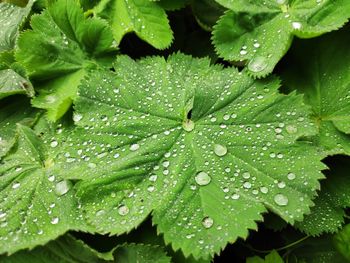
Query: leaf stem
x: 280, y: 248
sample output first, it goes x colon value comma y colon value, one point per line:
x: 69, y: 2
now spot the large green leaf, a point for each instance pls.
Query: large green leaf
x: 328, y: 213
x: 206, y: 149
x: 59, y: 51
x: 36, y: 203
x: 11, y: 19
x: 320, y: 69
x: 65, y: 249
x: 147, y: 19
x: 261, y: 31
x: 11, y: 113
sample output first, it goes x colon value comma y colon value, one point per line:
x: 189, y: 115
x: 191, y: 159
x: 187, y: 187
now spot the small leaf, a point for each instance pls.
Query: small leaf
x: 62, y: 47
x: 272, y: 257
x: 11, y: 19
x: 195, y: 144
x: 328, y: 213
x: 37, y: 204
x: 321, y: 73
x: 147, y: 19
x: 65, y: 249
x: 342, y: 242
x: 130, y: 253
x: 18, y: 111
x: 261, y: 31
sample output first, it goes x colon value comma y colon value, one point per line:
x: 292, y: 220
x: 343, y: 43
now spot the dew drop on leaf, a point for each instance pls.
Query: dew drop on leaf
x: 257, y: 64
x: 220, y: 150
x: 63, y: 187
x: 123, y: 210
x: 16, y: 185
x: 54, y: 144
x: 281, y: 200
x: 291, y: 176
x: 202, y: 178
x: 207, y: 222
x: 77, y: 117
x: 291, y: 129
x: 55, y: 220
x: 134, y: 147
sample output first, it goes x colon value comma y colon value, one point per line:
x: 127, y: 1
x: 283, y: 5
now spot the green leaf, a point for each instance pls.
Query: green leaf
x: 206, y: 12
x: 316, y: 250
x: 37, y: 204
x: 147, y: 19
x: 60, y: 50
x: 11, y: 19
x: 172, y: 5
x: 65, y: 249
x: 259, y: 32
x: 18, y: 111
x: 342, y: 242
x: 234, y: 157
x: 272, y: 257
x: 328, y: 213
x: 13, y: 78
x: 322, y: 74
x: 130, y: 253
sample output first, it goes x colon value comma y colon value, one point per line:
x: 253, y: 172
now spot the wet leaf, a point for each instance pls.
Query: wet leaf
x: 261, y: 31
x: 195, y: 144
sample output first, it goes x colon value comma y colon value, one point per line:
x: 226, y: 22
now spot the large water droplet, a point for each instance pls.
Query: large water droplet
x: 291, y: 129
x: 16, y: 185
x: 123, y: 210
x: 297, y: 25
x: 207, y: 222
x: 63, y: 187
x: 77, y: 117
x: 291, y: 176
x: 54, y: 144
x: 134, y: 147
x: 220, y: 150
x: 188, y: 125
x: 55, y: 220
x: 257, y: 64
x: 202, y: 178
x: 281, y: 200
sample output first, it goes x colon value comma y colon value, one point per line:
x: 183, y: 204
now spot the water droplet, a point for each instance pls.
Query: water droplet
x: 296, y: 25
x: 150, y: 188
x: 281, y: 199
x: 246, y: 175
x: 291, y: 129
x: 2, y: 214
x: 40, y: 232
x: 16, y: 185
x: 153, y: 178
x: 207, y: 222
x: 77, y: 117
x: 235, y: 196
x: 281, y: 185
x: 51, y: 178
x: 291, y: 176
x: 123, y: 210
x: 220, y: 150
x: 264, y: 189
x: 100, y: 212
x: 257, y: 64
x: 55, y: 220
x: 188, y: 125
x: 134, y: 147
x: 247, y: 185
x: 202, y: 178
x: 54, y: 144
x: 63, y: 187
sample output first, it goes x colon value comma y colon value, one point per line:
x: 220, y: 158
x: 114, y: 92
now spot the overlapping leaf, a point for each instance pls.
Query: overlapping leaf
x: 322, y: 73
x: 11, y: 19
x: 146, y: 18
x: 65, y: 249
x: 328, y: 213
x: 195, y: 144
x: 18, y: 111
x: 13, y: 79
x: 261, y: 31
x: 36, y: 203
x: 59, y: 51
x: 272, y: 257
